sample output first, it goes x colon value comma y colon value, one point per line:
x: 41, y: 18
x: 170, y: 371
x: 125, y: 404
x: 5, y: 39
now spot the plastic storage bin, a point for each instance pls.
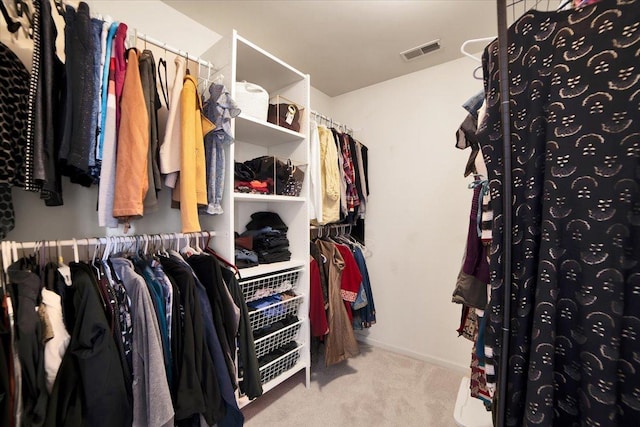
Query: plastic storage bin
x: 253, y: 100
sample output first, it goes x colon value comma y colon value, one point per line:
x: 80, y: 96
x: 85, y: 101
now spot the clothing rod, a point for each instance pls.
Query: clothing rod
x: 197, y: 59
x: 117, y: 239
x: 333, y: 122
x: 318, y: 227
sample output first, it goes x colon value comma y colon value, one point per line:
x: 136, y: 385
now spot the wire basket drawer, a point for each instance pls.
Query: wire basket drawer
x: 260, y: 287
x: 273, y: 313
x: 284, y: 363
x: 277, y: 339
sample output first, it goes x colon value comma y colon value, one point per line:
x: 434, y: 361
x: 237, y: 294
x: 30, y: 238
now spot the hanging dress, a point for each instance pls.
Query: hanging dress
x: 341, y: 341
x: 575, y: 287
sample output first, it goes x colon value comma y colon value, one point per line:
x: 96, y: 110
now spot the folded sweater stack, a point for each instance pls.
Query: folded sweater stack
x: 264, y: 242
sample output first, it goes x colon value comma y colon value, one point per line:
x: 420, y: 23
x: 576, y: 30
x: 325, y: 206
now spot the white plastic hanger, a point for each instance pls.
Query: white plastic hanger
x: 14, y: 251
x: 463, y: 48
x: 76, y: 257
x: 6, y: 258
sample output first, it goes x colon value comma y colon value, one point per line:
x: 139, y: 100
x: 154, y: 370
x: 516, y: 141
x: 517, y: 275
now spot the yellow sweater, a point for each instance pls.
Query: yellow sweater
x: 330, y: 175
x: 193, y: 179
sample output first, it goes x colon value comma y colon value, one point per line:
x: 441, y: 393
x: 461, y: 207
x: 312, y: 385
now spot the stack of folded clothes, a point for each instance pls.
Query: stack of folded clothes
x: 264, y: 242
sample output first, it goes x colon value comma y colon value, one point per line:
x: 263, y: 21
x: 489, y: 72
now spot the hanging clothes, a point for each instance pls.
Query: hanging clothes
x: 120, y: 56
x: 106, y: 76
x: 25, y: 287
x: 317, y: 314
x: 106, y: 191
x: 217, y: 337
x: 576, y: 209
x: 7, y: 369
x: 131, y: 183
x: 364, y: 317
x: 96, y: 44
x: 315, y: 174
x: 340, y: 341
x: 14, y: 92
x: 157, y: 294
x: 225, y: 313
x: 191, y: 192
x: 151, y: 397
x: 172, y: 141
x: 360, y: 178
x: 220, y: 108
x: 330, y: 176
x: 248, y: 370
x: 81, y: 117
x: 56, y: 347
x: 350, y: 279
x: 197, y: 389
x: 82, y: 394
x: 34, y: 78
x: 48, y: 117
x: 147, y: 68
x: 335, y: 135
x: 352, y: 198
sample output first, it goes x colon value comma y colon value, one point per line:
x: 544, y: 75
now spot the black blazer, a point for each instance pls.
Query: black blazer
x: 90, y: 387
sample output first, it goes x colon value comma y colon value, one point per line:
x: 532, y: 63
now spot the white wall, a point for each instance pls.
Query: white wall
x: 418, y: 212
x: 320, y: 101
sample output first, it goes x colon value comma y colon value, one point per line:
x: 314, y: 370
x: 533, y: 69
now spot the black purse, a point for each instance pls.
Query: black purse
x: 284, y: 176
x: 293, y: 184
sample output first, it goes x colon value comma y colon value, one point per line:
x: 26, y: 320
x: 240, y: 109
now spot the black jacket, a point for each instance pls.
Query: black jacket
x: 48, y: 117
x: 90, y: 387
x: 207, y: 269
x: 25, y: 287
x: 197, y: 390
x: 247, y: 360
x: 80, y: 121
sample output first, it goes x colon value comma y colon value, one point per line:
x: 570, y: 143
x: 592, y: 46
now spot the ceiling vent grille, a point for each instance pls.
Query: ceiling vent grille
x: 417, y: 52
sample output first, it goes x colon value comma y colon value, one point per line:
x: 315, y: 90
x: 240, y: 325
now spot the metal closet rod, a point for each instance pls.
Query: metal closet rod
x: 117, y: 239
x: 321, y: 229
x: 332, y: 122
x: 161, y: 44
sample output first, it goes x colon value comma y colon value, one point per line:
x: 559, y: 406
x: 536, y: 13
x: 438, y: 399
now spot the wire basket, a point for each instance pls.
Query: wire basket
x: 273, y: 313
x: 280, y: 365
x: 277, y: 339
x: 260, y: 287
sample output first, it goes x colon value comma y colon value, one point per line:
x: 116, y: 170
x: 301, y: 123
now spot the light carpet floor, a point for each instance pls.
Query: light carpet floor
x: 376, y: 388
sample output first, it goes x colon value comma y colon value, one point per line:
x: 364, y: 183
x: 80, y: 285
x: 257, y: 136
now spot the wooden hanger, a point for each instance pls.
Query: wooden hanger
x: 210, y: 251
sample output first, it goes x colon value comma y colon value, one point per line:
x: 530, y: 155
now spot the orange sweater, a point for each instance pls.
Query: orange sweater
x: 133, y: 144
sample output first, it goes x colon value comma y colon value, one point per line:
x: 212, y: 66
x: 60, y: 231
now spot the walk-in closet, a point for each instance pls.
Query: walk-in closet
x: 322, y: 213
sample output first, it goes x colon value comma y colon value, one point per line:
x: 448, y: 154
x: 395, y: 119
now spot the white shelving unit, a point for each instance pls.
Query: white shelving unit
x: 240, y: 60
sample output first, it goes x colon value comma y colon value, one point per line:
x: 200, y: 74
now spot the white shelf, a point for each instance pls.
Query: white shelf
x: 258, y: 132
x: 258, y: 66
x: 254, y: 197
x: 255, y: 138
x: 261, y: 269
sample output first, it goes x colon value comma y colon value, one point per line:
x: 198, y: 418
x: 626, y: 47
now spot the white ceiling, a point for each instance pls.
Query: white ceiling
x: 347, y: 45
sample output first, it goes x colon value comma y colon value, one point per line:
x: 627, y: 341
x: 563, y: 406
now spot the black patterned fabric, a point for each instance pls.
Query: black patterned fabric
x: 14, y: 94
x: 574, y: 351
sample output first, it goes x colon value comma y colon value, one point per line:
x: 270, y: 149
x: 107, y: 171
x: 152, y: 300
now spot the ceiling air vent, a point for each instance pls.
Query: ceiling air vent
x: 417, y: 52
